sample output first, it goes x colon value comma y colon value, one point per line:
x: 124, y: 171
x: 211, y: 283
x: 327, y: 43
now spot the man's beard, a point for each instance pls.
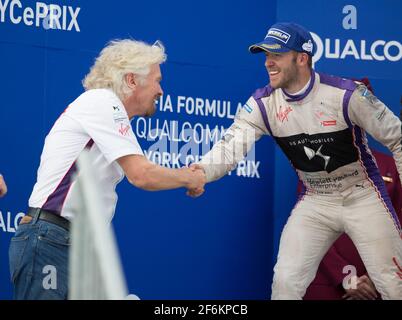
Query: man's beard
x: 290, y: 76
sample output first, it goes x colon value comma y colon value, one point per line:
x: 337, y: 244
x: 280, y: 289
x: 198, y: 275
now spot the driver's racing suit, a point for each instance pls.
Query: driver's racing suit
x: 322, y: 132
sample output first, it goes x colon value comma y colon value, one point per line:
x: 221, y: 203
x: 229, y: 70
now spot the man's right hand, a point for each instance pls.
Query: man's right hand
x: 3, y: 187
x: 198, y: 177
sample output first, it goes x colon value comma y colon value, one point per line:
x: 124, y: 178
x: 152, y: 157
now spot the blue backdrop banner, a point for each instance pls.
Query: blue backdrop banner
x: 172, y: 246
x: 222, y: 245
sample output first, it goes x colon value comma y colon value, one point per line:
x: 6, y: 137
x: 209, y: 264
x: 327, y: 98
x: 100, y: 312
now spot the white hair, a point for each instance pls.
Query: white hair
x: 119, y: 58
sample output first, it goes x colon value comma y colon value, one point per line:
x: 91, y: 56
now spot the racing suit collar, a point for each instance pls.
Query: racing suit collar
x: 298, y: 97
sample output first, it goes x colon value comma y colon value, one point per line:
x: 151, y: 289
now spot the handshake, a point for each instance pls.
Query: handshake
x: 195, y: 179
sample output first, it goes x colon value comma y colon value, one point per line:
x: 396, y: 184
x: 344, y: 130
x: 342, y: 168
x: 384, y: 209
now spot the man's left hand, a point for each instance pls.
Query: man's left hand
x: 365, y: 290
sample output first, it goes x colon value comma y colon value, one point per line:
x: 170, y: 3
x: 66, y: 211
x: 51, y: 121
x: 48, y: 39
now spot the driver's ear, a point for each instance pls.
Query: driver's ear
x: 303, y: 58
x: 131, y: 80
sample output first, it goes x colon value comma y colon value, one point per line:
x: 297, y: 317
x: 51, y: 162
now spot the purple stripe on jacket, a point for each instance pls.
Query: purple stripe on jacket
x: 258, y: 95
x: 373, y: 173
x: 56, y: 199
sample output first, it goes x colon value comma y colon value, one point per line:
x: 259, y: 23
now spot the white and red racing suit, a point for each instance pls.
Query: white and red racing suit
x: 323, y: 133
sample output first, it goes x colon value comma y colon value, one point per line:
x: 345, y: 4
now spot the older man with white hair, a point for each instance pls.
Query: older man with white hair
x: 124, y: 82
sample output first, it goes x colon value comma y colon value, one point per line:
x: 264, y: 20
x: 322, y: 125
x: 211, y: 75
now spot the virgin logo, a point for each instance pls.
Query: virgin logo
x: 283, y: 113
x: 124, y: 129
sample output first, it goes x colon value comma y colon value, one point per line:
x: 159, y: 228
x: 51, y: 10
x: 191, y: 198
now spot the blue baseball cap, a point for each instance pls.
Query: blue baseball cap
x: 285, y: 36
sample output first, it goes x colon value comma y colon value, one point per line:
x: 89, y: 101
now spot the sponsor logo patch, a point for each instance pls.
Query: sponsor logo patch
x: 308, y: 46
x: 328, y: 123
x: 366, y: 94
x: 321, y: 115
x: 283, y: 113
x: 122, y: 123
x: 124, y: 129
x: 278, y: 34
x: 310, y: 153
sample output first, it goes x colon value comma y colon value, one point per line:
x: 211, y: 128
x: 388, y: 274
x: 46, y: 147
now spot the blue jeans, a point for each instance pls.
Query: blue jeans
x: 38, y: 256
